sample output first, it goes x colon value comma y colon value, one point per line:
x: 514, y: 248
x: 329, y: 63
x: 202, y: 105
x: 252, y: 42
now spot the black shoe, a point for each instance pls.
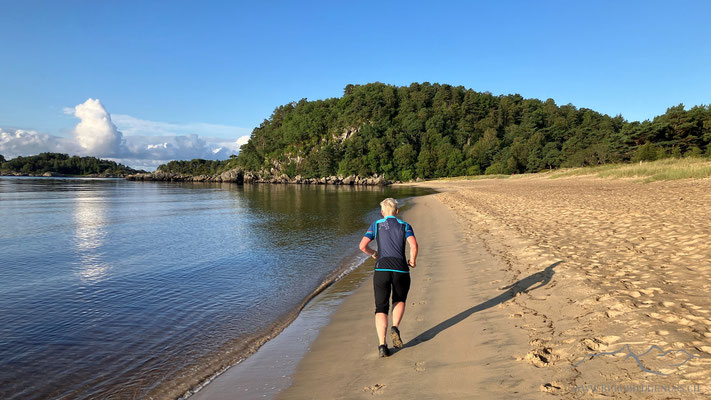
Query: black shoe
x: 383, y: 350
x: 395, y: 336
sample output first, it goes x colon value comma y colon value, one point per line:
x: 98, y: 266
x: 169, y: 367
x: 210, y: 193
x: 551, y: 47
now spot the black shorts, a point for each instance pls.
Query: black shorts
x: 385, y: 282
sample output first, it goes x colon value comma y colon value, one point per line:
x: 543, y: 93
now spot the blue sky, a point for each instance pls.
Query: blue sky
x: 224, y: 66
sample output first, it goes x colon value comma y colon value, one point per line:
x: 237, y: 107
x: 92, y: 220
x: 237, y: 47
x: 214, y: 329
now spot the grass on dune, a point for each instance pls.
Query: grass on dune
x: 648, y: 171
x: 477, y: 177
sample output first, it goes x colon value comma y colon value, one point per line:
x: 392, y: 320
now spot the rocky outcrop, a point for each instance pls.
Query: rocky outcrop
x: 237, y: 175
x: 234, y: 175
x: 376, y: 180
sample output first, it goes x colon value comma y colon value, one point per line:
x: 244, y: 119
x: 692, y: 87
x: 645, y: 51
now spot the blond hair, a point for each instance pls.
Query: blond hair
x: 388, y: 206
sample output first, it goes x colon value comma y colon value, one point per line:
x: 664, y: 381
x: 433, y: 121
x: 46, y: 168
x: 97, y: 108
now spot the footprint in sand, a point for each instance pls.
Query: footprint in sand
x: 592, y: 343
x: 550, y: 387
x: 613, y: 313
x: 375, y: 389
x: 420, y: 366
x: 664, y: 317
x: 650, y: 291
x: 539, y: 357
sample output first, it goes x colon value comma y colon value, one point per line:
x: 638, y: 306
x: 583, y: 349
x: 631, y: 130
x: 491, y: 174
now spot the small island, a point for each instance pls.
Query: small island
x: 58, y: 164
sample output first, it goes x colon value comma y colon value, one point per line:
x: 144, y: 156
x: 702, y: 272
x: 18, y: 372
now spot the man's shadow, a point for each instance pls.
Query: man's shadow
x: 524, y: 285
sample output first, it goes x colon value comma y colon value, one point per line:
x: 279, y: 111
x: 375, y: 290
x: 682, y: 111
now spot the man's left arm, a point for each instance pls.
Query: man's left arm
x: 410, y: 235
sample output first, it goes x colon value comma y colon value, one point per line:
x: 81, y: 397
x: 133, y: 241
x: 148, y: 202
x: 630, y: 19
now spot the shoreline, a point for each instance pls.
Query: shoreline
x: 339, y: 284
x: 268, y: 370
x: 248, y: 346
x: 56, y: 175
x: 237, y: 175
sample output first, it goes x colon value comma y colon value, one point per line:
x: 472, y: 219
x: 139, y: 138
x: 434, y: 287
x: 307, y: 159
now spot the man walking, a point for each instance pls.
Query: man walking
x: 392, y: 270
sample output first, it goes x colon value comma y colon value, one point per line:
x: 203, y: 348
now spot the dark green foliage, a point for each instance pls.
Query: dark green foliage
x: 695, y: 151
x: 648, y: 152
x: 199, y: 166
x: 63, y: 164
x: 193, y: 167
x: 432, y: 130
x: 2, y: 159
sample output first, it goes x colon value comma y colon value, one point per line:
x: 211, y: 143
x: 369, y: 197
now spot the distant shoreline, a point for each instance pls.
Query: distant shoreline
x: 237, y: 175
x: 58, y: 175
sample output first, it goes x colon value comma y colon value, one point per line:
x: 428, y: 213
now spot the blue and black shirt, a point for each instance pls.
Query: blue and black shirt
x: 390, y: 233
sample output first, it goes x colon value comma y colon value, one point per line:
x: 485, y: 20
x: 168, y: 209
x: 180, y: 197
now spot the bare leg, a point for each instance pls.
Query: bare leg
x: 398, y: 312
x: 381, y: 325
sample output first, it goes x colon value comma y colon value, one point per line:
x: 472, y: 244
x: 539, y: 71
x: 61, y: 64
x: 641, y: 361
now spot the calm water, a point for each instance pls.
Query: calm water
x: 120, y: 289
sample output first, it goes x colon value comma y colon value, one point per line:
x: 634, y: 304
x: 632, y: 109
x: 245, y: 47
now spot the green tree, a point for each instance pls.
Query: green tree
x: 485, y: 148
x: 676, y: 152
x: 646, y: 152
x: 694, y: 152
x: 404, y: 158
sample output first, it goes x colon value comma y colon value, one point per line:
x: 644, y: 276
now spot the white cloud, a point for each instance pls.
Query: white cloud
x: 132, y: 141
x: 243, y: 140
x: 19, y: 142
x: 95, y: 132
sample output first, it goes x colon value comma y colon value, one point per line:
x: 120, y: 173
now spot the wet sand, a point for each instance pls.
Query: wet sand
x: 269, y: 370
x: 524, y: 284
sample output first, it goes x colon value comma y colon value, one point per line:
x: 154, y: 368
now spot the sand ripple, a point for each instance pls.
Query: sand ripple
x: 635, y: 271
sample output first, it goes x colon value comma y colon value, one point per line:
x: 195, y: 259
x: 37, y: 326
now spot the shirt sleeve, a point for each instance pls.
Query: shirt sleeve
x: 408, y: 231
x: 370, y: 234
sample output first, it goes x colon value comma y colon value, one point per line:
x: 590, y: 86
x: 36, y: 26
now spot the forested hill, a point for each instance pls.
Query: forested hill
x: 63, y: 164
x: 432, y: 130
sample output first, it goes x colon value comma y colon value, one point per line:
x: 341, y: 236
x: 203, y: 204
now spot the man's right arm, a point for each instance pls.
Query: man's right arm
x: 369, y: 235
x: 366, y: 249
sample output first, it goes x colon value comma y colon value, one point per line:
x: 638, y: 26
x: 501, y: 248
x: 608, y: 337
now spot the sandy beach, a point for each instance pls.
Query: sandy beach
x: 535, y: 287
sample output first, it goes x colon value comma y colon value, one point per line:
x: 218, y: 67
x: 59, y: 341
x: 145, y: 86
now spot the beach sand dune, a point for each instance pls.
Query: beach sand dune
x: 536, y: 287
x: 635, y: 273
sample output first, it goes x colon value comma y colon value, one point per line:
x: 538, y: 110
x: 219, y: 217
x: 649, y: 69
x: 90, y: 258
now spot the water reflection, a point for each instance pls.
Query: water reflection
x: 141, y: 289
x: 89, y: 236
